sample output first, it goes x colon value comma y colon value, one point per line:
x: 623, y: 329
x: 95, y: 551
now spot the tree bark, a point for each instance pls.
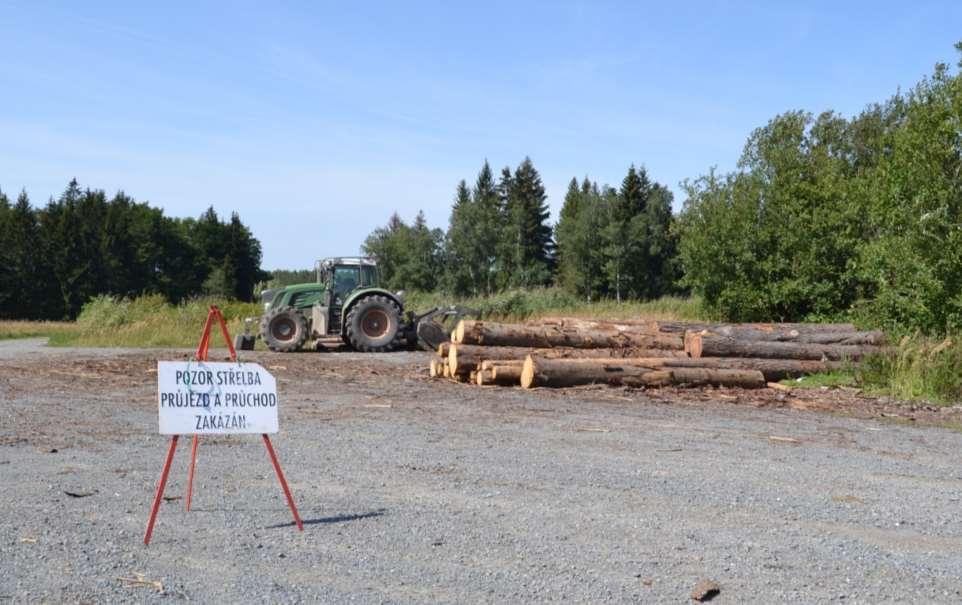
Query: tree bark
x: 521, y: 335
x: 500, y: 374
x: 464, y: 358
x: 779, y: 334
x: 539, y: 371
x: 772, y: 369
x: 678, y: 327
x: 698, y: 345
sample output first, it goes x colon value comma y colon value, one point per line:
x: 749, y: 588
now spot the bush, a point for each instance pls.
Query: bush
x: 828, y: 217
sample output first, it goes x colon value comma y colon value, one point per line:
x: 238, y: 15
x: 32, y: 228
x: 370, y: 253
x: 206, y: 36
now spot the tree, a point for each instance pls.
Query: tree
x: 580, y: 258
x: 36, y: 296
x: 8, y: 284
x: 528, y: 241
x: 488, y: 224
x: 462, y: 255
x: 409, y: 257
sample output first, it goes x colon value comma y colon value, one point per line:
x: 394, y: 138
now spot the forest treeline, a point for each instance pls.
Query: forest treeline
x: 824, y: 217
x: 608, y: 242
x: 56, y: 258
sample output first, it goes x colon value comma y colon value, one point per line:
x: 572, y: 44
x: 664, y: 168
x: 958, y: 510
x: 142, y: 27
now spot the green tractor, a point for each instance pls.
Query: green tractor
x: 347, y: 303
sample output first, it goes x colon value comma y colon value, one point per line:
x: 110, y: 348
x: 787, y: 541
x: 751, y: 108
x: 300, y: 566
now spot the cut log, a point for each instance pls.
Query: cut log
x: 638, y: 372
x: 446, y: 371
x: 463, y: 358
x: 678, y: 327
x: 507, y: 375
x: 437, y: 367
x: 772, y: 369
x: 502, y: 375
x: 521, y: 335
x: 443, y: 349
x: 491, y: 363
x: 795, y: 335
x: 698, y: 345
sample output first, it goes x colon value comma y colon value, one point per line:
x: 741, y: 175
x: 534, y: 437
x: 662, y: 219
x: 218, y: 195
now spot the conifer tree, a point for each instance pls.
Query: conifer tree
x: 530, y: 244
x: 461, y: 253
x: 8, y: 292
x: 488, y: 227
x: 36, y: 296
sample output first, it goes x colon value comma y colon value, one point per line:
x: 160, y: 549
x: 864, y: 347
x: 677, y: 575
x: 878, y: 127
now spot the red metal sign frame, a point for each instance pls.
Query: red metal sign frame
x: 201, y: 355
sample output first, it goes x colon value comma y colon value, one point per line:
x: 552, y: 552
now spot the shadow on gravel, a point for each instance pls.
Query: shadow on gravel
x: 336, y: 519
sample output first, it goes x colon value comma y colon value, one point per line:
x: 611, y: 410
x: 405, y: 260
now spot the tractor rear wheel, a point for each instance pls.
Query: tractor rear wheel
x: 284, y: 330
x: 373, y: 325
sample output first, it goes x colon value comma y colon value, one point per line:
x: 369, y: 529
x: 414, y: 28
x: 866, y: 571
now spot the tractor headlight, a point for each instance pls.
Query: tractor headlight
x: 400, y: 295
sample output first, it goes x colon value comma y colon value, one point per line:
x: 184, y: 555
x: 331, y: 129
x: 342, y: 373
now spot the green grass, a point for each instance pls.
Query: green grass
x: 517, y: 305
x: 827, y: 379
x: 920, y: 369
x: 149, y: 321
x: 31, y: 329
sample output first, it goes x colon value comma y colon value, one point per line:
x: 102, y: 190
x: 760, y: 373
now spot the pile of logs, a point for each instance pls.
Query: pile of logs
x: 561, y: 352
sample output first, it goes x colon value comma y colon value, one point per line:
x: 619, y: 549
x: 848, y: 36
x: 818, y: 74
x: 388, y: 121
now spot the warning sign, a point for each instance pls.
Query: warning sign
x: 211, y: 398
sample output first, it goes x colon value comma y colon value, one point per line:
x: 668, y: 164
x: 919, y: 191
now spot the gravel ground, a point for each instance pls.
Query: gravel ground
x: 415, y: 491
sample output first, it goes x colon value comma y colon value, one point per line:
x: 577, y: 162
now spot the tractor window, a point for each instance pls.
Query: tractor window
x: 345, y: 280
x: 368, y: 275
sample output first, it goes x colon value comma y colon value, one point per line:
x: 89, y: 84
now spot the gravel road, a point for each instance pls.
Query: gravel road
x: 415, y: 491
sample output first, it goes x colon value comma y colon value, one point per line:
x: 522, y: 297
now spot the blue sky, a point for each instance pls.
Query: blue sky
x: 315, y: 121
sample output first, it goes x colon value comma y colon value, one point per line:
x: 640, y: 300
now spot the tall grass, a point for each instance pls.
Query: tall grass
x: 516, y: 305
x: 149, y: 321
x: 920, y: 368
x: 29, y: 329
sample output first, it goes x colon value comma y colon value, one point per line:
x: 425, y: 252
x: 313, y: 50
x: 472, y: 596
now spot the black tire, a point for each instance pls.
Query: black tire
x: 243, y: 342
x: 284, y: 330
x: 373, y: 325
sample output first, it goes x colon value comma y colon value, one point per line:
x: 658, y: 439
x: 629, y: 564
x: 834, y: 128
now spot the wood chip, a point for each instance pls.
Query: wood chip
x: 140, y: 581
x: 777, y: 439
x: 779, y: 386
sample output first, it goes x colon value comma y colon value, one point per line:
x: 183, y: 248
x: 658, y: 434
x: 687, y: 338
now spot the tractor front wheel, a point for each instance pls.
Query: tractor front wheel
x: 373, y: 325
x: 284, y: 330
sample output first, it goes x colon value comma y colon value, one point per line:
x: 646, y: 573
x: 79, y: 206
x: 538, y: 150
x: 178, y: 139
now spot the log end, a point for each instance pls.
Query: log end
x: 693, y: 344
x: 453, y: 358
x: 528, y: 372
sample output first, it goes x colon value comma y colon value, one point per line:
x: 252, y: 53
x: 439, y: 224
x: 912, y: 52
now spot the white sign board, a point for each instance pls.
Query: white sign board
x: 212, y: 398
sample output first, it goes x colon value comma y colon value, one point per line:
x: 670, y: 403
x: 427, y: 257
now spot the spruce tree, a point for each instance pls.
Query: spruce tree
x: 461, y: 256
x: 527, y: 216
x: 488, y: 226
x: 565, y: 232
x: 8, y: 293
x: 36, y: 295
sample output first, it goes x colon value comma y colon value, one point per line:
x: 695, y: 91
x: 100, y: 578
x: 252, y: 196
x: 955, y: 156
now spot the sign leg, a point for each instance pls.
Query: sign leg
x: 190, y: 471
x: 280, y: 476
x: 160, y: 489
